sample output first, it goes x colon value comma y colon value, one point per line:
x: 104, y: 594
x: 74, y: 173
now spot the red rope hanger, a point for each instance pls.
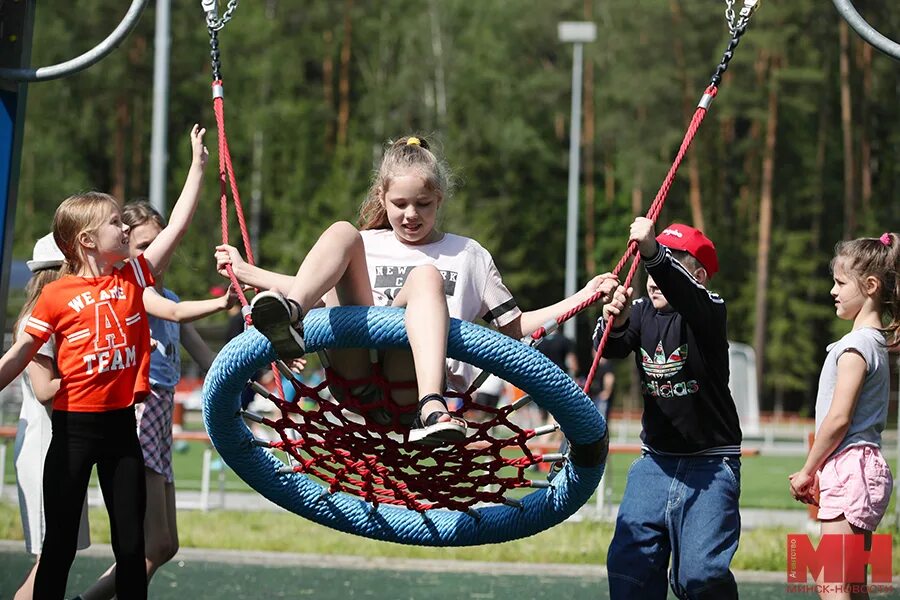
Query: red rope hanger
x: 227, y: 177
x: 738, y: 26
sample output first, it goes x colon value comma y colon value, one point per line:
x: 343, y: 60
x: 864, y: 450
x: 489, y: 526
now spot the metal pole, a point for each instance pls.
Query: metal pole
x: 574, y: 164
x: 17, y: 24
x: 896, y: 503
x: 846, y: 9
x: 159, y: 136
x: 84, y: 61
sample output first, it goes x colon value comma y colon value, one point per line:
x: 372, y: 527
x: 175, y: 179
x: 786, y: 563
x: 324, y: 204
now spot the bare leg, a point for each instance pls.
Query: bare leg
x: 337, y: 260
x: 161, y: 537
x: 840, y: 526
x: 352, y: 288
x: 427, y: 323
x: 26, y: 591
x: 398, y: 365
x: 104, y: 588
x: 162, y: 531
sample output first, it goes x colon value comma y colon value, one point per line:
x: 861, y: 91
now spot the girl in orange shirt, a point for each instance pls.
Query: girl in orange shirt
x: 95, y: 314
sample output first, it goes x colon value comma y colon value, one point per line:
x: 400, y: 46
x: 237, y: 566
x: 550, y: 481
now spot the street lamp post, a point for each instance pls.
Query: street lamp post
x: 577, y: 33
x: 159, y: 137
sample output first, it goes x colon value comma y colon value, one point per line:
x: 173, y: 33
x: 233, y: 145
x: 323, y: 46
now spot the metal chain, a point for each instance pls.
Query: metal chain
x: 737, y: 24
x: 213, y: 22
x: 729, y: 15
x: 740, y: 20
x: 215, y: 55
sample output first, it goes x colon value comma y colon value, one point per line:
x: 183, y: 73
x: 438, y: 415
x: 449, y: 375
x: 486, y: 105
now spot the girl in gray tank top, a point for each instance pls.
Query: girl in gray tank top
x: 845, y: 474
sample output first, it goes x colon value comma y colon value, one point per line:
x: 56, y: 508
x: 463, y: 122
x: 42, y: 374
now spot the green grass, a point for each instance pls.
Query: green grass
x: 764, y: 485
x: 764, y: 479
x: 569, y: 543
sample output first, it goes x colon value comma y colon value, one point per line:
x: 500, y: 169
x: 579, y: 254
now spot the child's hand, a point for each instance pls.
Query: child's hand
x: 605, y: 284
x: 619, y: 306
x: 814, y: 491
x: 227, y: 255
x: 231, y: 297
x: 642, y: 232
x: 297, y: 365
x: 200, y: 155
x: 804, y: 487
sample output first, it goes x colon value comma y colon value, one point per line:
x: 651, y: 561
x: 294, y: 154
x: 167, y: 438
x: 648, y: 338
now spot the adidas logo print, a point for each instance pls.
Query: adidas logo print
x: 659, y: 365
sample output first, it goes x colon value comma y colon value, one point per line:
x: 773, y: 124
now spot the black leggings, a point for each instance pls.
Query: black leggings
x: 81, y: 440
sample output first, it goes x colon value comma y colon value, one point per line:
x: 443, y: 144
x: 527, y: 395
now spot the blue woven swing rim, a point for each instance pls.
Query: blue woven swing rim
x: 381, y: 328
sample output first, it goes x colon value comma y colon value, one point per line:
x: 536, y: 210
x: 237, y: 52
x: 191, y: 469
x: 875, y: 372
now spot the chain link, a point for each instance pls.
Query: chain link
x: 737, y: 21
x: 729, y: 15
x: 212, y: 21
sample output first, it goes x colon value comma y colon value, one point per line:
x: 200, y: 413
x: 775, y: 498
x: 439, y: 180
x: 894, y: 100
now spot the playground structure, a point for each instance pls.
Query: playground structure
x: 14, y: 96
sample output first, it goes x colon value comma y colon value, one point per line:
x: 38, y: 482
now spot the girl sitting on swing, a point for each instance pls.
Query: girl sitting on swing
x: 399, y: 258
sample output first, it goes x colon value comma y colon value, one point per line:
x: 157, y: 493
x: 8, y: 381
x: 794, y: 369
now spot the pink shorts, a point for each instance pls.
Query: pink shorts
x: 857, y: 484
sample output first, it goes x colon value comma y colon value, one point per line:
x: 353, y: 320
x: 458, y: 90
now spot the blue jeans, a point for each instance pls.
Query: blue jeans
x: 683, y: 507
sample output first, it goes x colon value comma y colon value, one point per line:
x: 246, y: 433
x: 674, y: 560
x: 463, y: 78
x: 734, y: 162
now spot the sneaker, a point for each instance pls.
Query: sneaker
x: 281, y: 321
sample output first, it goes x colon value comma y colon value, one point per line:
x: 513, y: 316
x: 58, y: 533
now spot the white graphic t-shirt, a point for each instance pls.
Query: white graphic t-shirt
x: 472, y: 283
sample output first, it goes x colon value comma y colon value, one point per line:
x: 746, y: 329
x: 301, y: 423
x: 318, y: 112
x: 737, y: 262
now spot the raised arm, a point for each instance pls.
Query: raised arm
x: 159, y: 252
x: 17, y: 357
x: 185, y: 311
x: 250, y: 274
x: 704, y: 310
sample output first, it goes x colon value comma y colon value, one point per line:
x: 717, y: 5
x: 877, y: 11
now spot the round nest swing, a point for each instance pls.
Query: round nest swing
x: 368, y: 480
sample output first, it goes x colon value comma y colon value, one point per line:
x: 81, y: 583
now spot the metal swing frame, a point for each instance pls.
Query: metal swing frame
x: 91, y: 57
x: 849, y: 13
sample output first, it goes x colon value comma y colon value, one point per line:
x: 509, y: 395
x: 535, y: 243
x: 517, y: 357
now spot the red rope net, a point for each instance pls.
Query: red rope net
x: 361, y: 448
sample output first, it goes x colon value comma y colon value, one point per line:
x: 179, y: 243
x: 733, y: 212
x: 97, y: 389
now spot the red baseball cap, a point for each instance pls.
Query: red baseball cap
x: 684, y: 237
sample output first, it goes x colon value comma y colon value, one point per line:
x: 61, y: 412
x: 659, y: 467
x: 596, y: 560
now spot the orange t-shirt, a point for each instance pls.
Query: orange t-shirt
x: 102, y: 337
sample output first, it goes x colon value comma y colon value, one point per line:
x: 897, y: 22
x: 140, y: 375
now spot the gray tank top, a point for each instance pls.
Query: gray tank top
x: 871, y: 412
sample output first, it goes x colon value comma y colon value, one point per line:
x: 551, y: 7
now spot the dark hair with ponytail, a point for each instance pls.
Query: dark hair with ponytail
x: 880, y: 258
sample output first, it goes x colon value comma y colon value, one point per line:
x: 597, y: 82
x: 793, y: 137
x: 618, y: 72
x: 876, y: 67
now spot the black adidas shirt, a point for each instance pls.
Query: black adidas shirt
x: 682, y: 358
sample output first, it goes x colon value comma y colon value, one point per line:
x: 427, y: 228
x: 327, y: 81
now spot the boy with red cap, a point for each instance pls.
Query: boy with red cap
x: 681, y: 498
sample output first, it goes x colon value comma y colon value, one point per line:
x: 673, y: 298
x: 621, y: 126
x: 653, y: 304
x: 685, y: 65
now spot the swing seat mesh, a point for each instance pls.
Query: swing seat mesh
x: 360, y: 475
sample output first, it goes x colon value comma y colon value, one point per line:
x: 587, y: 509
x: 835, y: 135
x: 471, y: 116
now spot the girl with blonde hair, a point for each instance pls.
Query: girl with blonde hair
x: 95, y: 314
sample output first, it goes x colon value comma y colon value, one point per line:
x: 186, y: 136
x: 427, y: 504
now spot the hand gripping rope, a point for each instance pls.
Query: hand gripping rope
x: 737, y: 25
x: 348, y: 464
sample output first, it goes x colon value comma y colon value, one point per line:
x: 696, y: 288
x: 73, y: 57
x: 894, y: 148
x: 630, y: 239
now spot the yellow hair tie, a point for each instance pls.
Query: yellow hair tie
x: 413, y: 141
